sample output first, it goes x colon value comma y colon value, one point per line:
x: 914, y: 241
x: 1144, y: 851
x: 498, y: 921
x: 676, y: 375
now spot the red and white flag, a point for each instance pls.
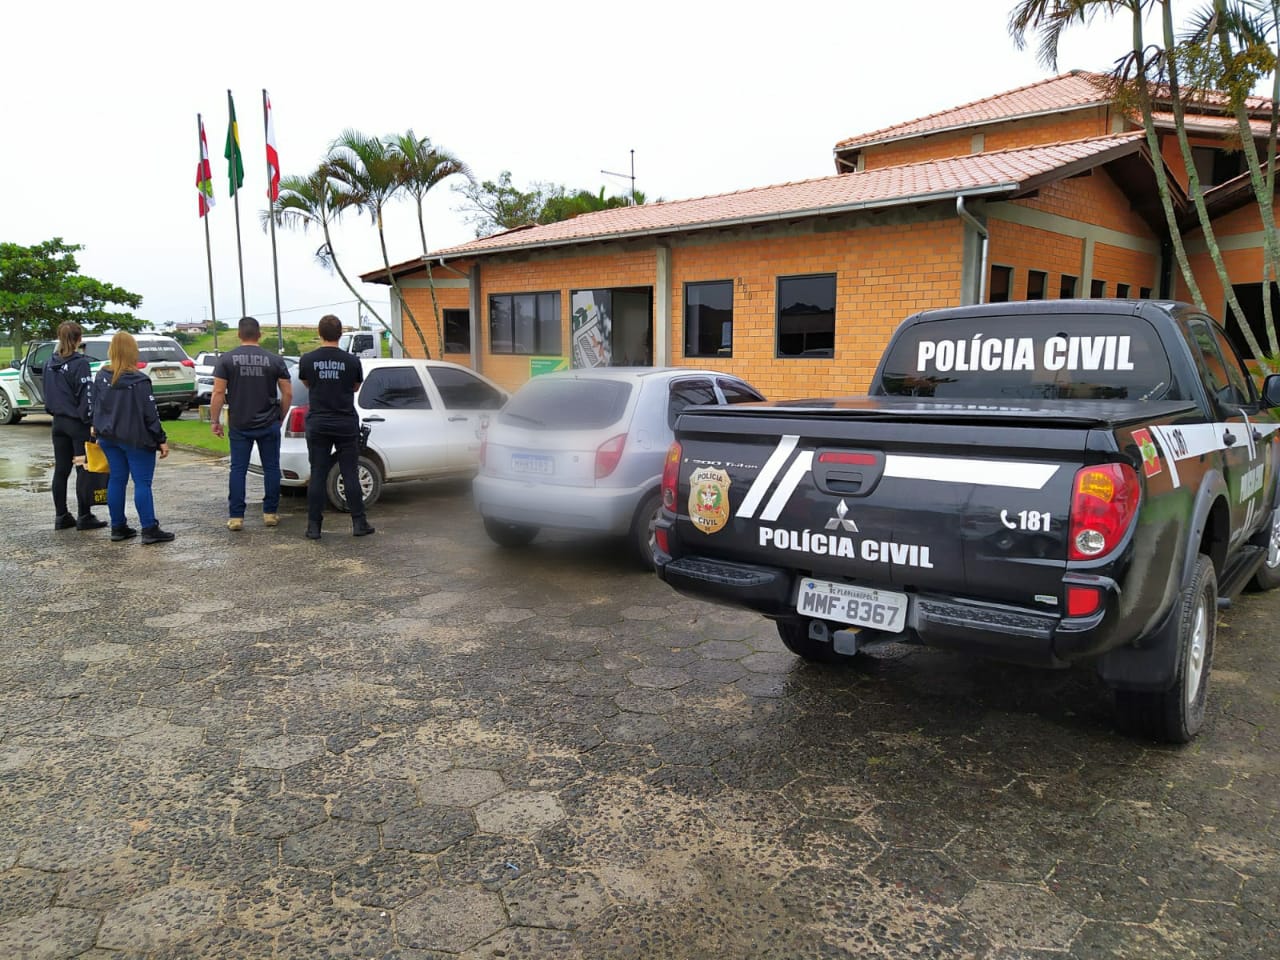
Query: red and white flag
x: 204, y: 175
x: 273, y: 158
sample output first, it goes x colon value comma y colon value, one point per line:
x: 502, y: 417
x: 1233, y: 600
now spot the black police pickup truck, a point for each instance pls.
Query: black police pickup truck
x: 1046, y: 483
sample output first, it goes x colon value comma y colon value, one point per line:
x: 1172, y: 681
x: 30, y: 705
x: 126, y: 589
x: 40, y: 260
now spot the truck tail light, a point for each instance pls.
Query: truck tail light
x: 660, y: 535
x: 671, y: 476
x: 296, y: 423
x: 1082, y: 601
x: 1104, y: 501
x: 609, y: 454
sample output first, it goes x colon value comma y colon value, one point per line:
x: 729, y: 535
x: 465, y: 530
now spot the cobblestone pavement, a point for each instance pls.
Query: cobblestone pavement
x: 418, y: 746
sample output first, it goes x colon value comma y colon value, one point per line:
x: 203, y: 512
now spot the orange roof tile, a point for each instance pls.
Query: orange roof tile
x: 1065, y: 92
x: 1209, y: 123
x: 1006, y: 172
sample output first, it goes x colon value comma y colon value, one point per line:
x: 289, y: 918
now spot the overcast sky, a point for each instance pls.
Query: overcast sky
x: 99, y: 107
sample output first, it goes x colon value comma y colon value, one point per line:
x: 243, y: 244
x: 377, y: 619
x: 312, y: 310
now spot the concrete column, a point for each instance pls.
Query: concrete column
x: 475, y: 302
x: 662, y: 309
x: 397, y: 322
x: 1086, y: 268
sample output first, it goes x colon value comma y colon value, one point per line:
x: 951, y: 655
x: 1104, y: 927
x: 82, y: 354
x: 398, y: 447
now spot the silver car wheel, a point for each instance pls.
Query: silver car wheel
x: 366, y: 483
x: 1196, y: 652
x: 1273, y: 549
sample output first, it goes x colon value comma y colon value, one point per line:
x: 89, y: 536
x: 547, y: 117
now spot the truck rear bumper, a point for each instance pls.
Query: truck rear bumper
x: 999, y: 631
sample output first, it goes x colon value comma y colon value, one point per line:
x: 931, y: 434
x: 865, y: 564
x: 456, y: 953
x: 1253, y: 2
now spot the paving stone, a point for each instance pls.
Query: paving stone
x: 460, y: 788
x: 450, y: 919
x: 1020, y: 916
x: 281, y: 752
x: 387, y: 880
x: 50, y: 934
x: 330, y: 845
x: 559, y: 899
x: 157, y: 917
x: 519, y: 812
x: 110, y: 881
x: 427, y: 829
x: 70, y: 845
x: 373, y: 801
x: 279, y: 816
x: 24, y: 892
x: 340, y: 932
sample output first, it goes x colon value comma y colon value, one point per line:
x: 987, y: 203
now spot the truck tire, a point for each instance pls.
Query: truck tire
x: 1177, y: 714
x: 642, y: 525
x: 370, y: 484
x: 795, y: 637
x: 509, y: 535
x: 1268, y: 575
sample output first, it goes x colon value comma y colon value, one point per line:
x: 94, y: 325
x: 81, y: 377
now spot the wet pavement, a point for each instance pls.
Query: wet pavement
x: 418, y: 746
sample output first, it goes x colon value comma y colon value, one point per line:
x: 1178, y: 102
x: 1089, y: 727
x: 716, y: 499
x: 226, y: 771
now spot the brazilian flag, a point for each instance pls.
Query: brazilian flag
x: 235, y: 163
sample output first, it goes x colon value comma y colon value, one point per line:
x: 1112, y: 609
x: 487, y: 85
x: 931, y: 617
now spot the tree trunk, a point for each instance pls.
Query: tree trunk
x: 431, y: 280
x: 1197, y: 196
x: 391, y: 277
x: 1157, y: 163
x: 333, y: 257
x: 1266, y: 208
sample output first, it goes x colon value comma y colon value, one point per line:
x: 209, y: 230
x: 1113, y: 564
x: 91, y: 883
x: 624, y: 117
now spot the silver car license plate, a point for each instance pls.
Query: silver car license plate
x: 533, y: 463
x: 860, y: 606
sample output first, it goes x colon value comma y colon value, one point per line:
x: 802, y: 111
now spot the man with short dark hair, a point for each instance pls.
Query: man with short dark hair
x: 256, y: 387
x: 332, y: 377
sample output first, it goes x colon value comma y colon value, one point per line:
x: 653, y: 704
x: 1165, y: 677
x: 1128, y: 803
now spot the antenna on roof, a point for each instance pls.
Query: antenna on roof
x: 623, y: 176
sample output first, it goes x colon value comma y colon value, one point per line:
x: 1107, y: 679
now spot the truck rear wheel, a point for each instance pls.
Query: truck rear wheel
x: 1177, y: 714
x: 795, y: 637
x: 1268, y: 575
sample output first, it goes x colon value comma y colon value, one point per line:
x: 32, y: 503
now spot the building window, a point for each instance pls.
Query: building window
x: 1122, y: 291
x: 457, y: 331
x: 807, y: 316
x: 527, y: 323
x: 1097, y: 289
x: 1001, y: 284
x: 1037, y: 281
x: 1144, y: 293
x: 1068, y: 288
x: 708, y: 319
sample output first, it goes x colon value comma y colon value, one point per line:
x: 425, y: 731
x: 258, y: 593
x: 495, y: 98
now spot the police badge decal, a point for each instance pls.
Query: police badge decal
x: 709, y: 499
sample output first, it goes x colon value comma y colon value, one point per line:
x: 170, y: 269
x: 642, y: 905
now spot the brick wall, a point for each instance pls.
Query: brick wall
x: 1091, y: 199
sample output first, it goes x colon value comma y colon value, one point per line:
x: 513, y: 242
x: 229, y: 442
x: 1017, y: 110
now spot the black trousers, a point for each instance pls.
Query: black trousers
x: 69, y: 435
x: 321, y: 448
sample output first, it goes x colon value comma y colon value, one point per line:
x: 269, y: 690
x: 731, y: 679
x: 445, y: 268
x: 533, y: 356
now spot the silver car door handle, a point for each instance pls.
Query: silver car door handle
x: 457, y: 419
x: 374, y: 420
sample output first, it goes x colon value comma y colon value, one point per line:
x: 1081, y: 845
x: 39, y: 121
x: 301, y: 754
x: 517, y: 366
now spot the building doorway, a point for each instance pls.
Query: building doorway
x: 612, y: 327
x: 1250, y: 297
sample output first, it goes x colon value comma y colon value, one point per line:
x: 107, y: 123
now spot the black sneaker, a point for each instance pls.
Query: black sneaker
x: 64, y: 522
x: 89, y: 522
x: 313, y: 530
x: 361, y: 528
x: 155, y: 535
x: 123, y: 533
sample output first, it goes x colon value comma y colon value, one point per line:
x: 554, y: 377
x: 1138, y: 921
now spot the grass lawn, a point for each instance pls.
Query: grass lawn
x: 6, y: 356
x: 196, y: 433
x: 305, y: 338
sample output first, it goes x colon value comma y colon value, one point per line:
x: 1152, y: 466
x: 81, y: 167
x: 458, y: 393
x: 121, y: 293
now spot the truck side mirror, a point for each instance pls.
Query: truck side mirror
x: 16, y: 364
x: 1271, y: 392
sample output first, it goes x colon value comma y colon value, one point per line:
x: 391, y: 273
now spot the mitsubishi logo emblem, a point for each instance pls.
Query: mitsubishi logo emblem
x: 840, y: 521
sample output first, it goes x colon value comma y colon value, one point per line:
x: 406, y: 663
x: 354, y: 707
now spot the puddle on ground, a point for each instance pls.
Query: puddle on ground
x: 32, y: 474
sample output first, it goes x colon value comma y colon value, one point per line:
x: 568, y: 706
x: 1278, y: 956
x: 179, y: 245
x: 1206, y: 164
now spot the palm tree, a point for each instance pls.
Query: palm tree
x: 422, y: 166
x: 310, y: 201
x: 368, y: 172
x: 1131, y: 80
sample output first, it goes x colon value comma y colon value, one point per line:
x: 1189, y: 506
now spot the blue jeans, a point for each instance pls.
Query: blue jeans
x: 242, y: 441
x: 126, y: 462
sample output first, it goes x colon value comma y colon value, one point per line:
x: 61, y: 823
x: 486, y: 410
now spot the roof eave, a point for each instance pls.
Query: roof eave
x: 1010, y: 187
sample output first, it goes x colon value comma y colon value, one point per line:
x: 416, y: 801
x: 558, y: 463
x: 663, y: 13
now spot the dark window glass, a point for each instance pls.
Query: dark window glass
x: 1097, y: 289
x: 527, y: 323
x: 708, y: 319
x: 1236, y: 373
x: 40, y: 355
x: 1017, y: 358
x: 1144, y: 293
x: 1068, y: 288
x: 457, y: 331
x: 1000, y: 285
x: 461, y: 390
x: 807, y: 316
x: 1036, y: 282
x: 735, y: 391
x: 554, y: 403
x: 150, y: 354
x: 1122, y: 291
x: 688, y: 393
x: 1223, y: 372
x: 394, y: 388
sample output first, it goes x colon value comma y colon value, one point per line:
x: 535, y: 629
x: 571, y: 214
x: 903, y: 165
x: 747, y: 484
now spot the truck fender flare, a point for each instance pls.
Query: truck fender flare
x: 1150, y: 663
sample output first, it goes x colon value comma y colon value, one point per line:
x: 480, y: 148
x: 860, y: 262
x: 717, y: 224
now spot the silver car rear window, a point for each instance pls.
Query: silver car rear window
x: 567, y: 404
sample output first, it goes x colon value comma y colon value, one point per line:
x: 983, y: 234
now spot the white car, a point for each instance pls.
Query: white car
x: 204, y: 375
x: 425, y: 419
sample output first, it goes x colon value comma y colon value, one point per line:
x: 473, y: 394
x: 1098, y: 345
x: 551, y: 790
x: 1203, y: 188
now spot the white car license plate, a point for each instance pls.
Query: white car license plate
x: 860, y: 606
x: 164, y: 373
x: 533, y: 463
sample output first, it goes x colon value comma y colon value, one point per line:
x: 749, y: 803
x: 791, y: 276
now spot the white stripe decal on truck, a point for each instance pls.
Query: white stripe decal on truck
x: 799, y: 470
x: 764, y: 479
x: 982, y: 473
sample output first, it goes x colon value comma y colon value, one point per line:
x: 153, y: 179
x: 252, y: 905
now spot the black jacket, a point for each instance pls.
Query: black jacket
x: 126, y: 411
x: 67, y: 382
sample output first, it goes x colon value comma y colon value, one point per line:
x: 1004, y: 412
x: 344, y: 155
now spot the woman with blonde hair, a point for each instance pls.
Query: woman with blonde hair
x: 128, y: 428
x: 66, y: 380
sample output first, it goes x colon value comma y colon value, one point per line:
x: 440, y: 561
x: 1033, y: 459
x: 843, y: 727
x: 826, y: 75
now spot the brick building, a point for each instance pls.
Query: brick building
x: 1042, y: 192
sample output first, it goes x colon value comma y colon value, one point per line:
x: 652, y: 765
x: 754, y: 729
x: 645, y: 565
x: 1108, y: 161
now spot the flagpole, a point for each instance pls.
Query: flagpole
x: 208, y: 246
x: 271, y: 219
x: 235, y: 197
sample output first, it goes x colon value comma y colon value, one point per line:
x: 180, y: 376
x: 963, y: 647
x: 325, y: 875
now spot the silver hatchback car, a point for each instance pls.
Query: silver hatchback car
x: 583, y: 450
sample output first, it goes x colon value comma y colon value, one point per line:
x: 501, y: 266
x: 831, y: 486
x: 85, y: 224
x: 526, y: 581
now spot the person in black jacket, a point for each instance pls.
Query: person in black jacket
x: 128, y: 428
x: 67, y: 380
